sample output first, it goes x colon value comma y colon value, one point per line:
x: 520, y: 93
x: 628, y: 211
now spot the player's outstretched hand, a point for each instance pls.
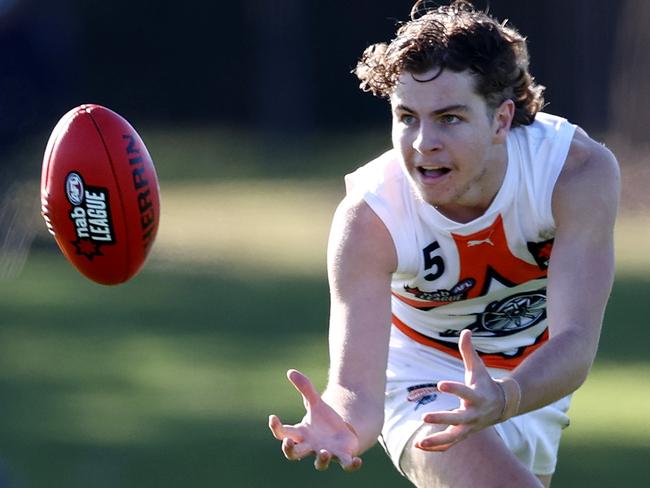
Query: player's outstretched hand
x: 481, y: 402
x: 321, y: 432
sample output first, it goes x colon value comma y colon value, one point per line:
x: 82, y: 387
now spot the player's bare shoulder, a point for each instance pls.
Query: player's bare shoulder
x: 589, y: 160
x: 359, y: 237
x: 590, y: 178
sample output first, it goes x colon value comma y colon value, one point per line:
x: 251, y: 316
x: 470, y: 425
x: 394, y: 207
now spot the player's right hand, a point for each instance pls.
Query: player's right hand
x: 322, y: 432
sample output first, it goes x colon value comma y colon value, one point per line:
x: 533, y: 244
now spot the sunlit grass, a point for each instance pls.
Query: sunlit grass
x: 613, y: 406
x: 632, y: 234
x: 266, y: 225
x: 282, y: 226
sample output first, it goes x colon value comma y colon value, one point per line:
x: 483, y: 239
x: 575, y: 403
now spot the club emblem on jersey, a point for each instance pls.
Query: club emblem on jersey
x: 422, y: 394
x: 508, y: 316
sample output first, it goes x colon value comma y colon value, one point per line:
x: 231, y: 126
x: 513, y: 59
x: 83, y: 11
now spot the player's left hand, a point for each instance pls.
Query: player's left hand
x: 481, y: 402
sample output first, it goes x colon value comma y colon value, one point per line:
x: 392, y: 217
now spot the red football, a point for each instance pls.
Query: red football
x: 99, y: 194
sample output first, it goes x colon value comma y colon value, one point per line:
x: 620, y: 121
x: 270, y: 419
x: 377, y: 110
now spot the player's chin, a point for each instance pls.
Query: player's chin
x: 432, y: 196
x: 435, y: 194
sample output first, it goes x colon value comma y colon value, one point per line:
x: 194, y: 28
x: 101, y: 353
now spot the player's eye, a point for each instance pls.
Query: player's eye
x: 450, y: 119
x: 407, y: 119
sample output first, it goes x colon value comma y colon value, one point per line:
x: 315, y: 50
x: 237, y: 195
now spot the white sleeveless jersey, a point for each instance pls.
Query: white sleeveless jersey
x: 488, y: 275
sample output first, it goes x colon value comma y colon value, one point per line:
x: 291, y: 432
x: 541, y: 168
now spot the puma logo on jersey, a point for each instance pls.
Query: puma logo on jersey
x: 479, y: 242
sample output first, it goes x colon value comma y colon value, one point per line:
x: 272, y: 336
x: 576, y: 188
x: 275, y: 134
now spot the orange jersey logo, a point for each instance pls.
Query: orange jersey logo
x: 484, y: 256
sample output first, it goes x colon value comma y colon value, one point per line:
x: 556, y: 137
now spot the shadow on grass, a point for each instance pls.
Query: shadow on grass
x: 242, y: 455
x: 601, y: 466
x: 249, y: 460
x: 626, y: 334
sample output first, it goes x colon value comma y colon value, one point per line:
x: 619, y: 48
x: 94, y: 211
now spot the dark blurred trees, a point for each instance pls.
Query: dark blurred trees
x: 281, y: 76
x: 37, y: 46
x: 571, y: 44
x: 284, y: 65
x: 630, y: 94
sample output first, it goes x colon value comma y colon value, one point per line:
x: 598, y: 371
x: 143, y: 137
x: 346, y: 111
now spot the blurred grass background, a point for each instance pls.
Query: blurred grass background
x: 168, y: 380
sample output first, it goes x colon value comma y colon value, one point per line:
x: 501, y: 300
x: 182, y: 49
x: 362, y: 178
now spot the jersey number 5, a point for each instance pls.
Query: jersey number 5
x: 433, y: 262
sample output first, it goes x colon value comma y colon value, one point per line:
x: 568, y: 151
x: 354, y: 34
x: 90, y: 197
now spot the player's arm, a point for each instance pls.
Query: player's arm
x: 581, y: 272
x: 361, y: 260
x: 347, y: 419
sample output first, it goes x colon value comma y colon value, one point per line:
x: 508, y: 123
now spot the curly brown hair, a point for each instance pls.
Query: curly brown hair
x: 456, y: 37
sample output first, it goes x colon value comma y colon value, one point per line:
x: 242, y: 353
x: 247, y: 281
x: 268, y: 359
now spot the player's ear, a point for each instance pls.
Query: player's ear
x: 502, y: 121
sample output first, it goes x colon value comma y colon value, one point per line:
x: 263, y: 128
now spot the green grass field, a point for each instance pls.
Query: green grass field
x: 168, y: 380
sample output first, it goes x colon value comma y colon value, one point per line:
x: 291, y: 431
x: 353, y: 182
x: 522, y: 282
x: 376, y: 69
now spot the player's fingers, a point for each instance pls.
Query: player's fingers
x: 288, y: 447
x: 354, y: 464
x: 438, y: 448
x: 454, y: 417
x: 348, y: 462
x: 322, y: 461
x: 281, y: 431
x: 276, y: 427
x: 304, y: 387
x: 445, y: 438
x: 294, y: 451
x: 460, y: 390
x: 466, y: 348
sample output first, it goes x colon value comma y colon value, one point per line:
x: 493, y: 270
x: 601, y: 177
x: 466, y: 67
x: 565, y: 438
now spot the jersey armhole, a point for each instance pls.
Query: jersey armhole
x: 561, y: 152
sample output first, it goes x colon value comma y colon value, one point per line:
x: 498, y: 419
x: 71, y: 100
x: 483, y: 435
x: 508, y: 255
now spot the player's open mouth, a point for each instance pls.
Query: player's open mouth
x: 431, y: 172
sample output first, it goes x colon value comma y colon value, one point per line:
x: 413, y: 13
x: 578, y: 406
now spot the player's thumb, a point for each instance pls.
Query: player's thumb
x: 473, y: 363
x: 304, y: 387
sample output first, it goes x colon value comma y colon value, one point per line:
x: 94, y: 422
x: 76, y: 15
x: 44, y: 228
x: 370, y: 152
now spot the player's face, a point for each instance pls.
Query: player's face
x: 451, y: 144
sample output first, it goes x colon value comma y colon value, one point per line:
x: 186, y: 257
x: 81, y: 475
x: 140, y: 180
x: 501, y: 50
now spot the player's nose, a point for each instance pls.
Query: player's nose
x: 427, y: 139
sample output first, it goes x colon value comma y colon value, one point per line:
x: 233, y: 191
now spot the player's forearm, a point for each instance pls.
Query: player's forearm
x: 555, y: 370
x: 362, y: 412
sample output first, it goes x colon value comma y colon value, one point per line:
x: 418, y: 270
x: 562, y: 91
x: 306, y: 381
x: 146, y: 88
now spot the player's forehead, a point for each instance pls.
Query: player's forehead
x: 432, y: 90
